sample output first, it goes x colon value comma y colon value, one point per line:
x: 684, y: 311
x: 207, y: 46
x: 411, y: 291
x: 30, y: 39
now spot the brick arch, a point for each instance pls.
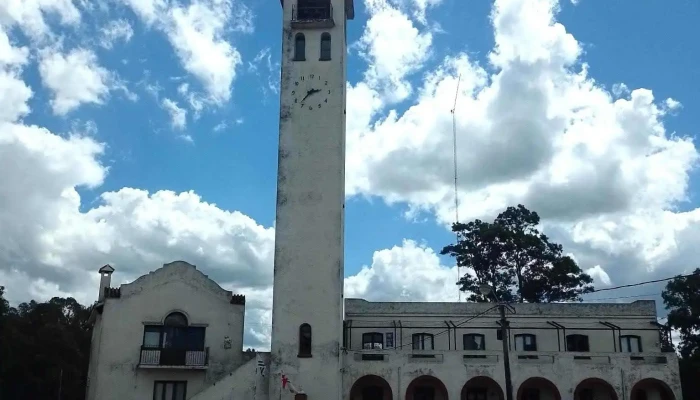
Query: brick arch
x: 367, y: 382
x: 651, y: 383
x: 595, y: 383
x: 482, y: 382
x: 537, y: 382
x: 426, y: 381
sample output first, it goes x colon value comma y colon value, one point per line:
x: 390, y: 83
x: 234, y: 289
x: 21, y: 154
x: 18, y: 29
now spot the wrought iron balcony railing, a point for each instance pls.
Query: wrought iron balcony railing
x: 156, y: 357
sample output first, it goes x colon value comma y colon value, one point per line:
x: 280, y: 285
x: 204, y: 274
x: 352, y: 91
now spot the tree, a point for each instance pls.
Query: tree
x: 682, y: 298
x: 511, y: 253
x: 249, y: 354
x: 479, y: 248
x: 44, y: 346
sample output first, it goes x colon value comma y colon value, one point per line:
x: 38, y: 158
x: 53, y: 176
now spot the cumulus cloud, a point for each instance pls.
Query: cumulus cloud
x: 197, y: 32
x: 74, y: 78
x: 409, y: 272
x: 13, y: 102
x: 54, y: 241
x: 533, y: 127
x: 393, y: 48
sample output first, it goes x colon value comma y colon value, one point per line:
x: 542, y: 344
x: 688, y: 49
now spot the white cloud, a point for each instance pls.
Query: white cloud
x: 220, y: 126
x: 599, y: 275
x: 30, y: 15
x: 197, y: 32
x: 74, y: 78
x: 178, y: 116
x: 148, y: 10
x: 393, y: 48
x: 534, y: 128
x: 410, y: 272
x: 15, y: 93
x: 114, y: 31
x: 53, y: 243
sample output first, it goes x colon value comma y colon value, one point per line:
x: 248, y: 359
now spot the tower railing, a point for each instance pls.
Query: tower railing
x: 313, y: 15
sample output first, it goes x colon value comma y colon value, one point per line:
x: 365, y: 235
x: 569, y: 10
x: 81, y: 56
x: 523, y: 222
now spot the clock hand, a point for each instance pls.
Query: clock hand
x: 309, y: 93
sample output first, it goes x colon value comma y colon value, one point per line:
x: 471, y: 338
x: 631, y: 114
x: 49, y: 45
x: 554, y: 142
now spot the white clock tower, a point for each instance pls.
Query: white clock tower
x: 308, y: 278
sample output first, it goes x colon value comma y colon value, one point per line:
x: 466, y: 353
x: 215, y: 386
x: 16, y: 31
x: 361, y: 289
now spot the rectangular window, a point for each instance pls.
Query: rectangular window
x: 630, y: 344
x: 372, y: 340
x: 183, y: 338
x: 151, y: 336
x: 169, y: 390
x: 525, y: 342
x: 423, y: 341
x: 577, y: 343
x: 473, y: 341
x: 389, y: 340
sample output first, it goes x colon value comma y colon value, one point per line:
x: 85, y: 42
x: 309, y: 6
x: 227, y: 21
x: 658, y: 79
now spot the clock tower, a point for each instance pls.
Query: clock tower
x: 307, y: 312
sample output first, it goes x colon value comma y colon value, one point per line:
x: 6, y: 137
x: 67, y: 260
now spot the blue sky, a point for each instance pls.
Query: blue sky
x: 611, y: 171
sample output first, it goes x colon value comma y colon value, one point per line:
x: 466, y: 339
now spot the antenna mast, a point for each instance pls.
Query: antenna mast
x: 454, y: 162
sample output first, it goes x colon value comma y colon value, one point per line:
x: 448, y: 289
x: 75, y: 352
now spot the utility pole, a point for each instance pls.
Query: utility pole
x: 506, y: 358
x: 488, y: 291
x: 60, y: 384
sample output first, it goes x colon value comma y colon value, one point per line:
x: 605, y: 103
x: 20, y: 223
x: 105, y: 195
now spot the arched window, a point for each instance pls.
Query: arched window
x: 175, y: 319
x: 525, y: 342
x: 577, y: 343
x: 299, y: 47
x: 325, y: 46
x: 305, y: 340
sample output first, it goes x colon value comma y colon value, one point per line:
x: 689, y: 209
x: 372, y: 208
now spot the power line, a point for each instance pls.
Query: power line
x: 447, y: 330
x: 644, y: 283
x: 624, y: 297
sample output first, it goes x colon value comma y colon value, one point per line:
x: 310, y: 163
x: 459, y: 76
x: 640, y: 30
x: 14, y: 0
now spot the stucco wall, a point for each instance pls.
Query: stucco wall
x: 440, y: 319
x: 245, y: 383
x: 308, y: 276
x: 561, y: 369
x: 119, y: 332
x: 553, y: 362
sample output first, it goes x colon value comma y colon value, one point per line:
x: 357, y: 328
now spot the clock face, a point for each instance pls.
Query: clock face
x: 310, y: 92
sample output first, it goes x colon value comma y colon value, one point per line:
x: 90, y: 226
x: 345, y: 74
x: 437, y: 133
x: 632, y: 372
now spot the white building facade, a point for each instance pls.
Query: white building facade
x: 169, y: 334
x: 441, y: 351
x: 174, y: 334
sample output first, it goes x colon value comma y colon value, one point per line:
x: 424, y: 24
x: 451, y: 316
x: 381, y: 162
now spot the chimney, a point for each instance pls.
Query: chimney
x: 105, y: 280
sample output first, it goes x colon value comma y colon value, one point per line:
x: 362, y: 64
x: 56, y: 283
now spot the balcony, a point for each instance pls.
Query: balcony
x: 170, y: 358
x: 313, y: 15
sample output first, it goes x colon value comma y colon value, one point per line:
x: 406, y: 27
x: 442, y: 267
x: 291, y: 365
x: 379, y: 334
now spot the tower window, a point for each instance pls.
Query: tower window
x: 299, y: 47
x: 305, y: 340
x: 325, y: 46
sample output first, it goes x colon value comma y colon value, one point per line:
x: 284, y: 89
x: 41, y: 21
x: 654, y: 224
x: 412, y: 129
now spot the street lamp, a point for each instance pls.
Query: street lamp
x: 487, y: 290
